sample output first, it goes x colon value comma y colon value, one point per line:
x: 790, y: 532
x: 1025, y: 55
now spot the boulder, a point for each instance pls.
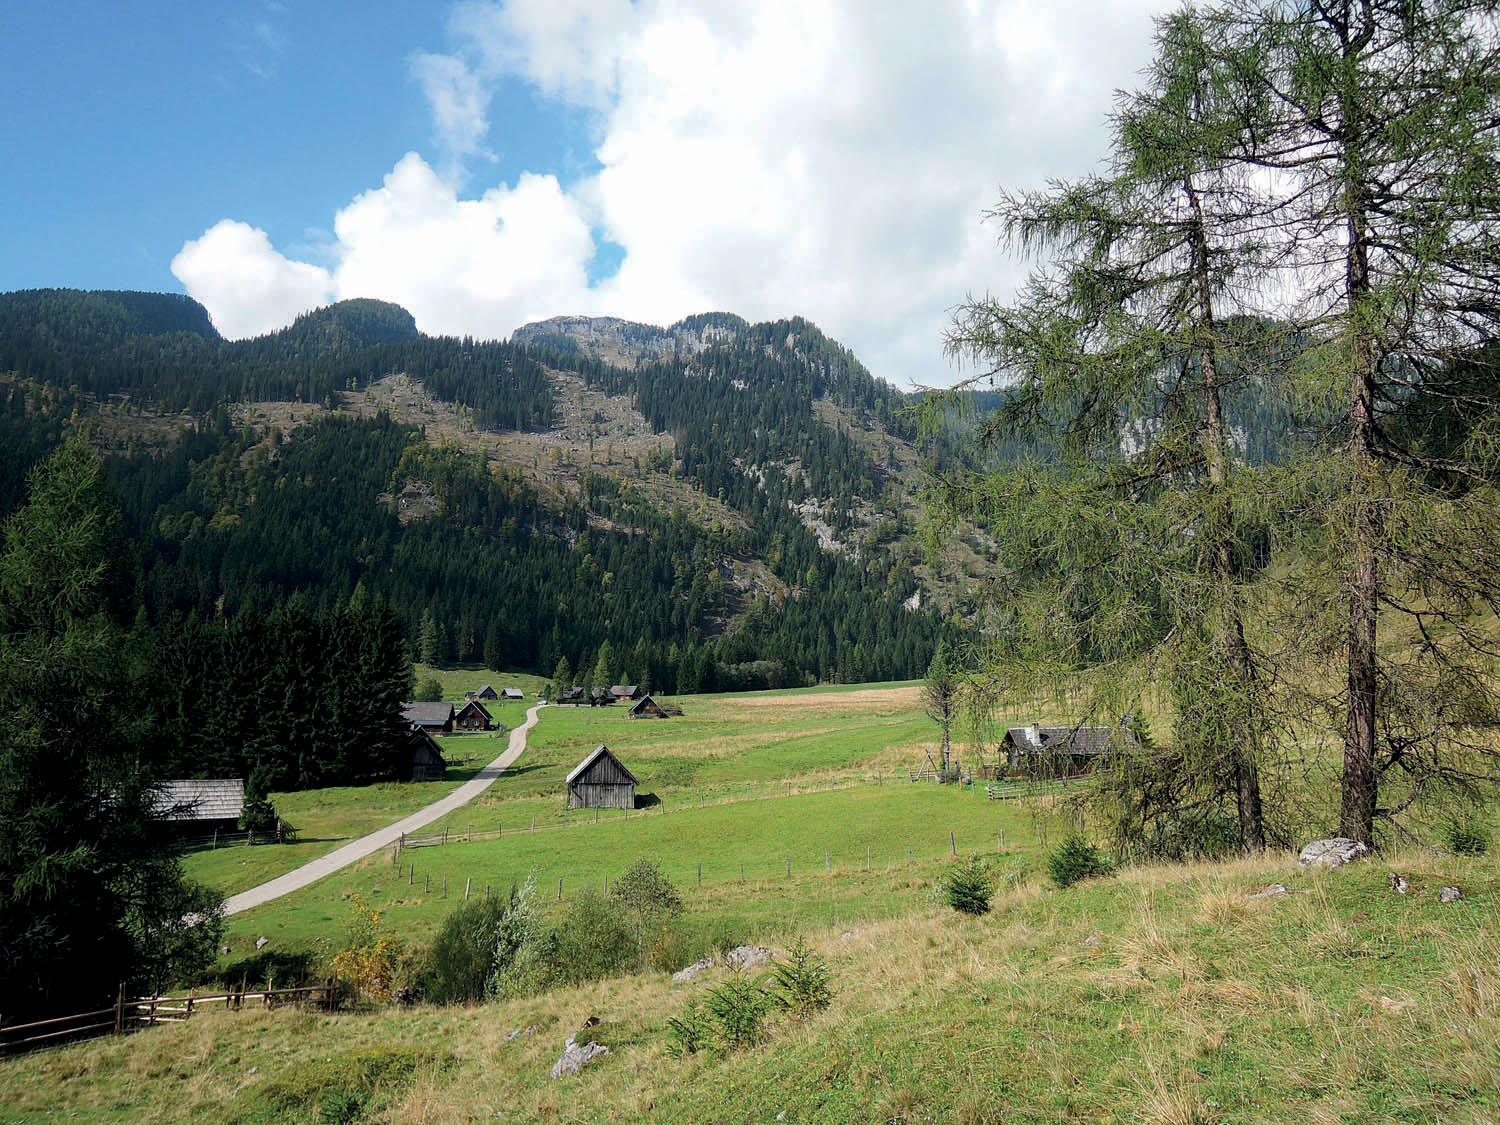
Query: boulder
x: 747, y: 956
x: 262, y: 941
x: 529, y: 1029
x: 1450, y: 894
x: 574, y: 1058
x: 1398, y: 884
x: 1333, y: 852
x: 682, y: 976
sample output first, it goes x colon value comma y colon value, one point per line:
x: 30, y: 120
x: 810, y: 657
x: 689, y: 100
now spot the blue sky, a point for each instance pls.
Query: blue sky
x: 489, y: 162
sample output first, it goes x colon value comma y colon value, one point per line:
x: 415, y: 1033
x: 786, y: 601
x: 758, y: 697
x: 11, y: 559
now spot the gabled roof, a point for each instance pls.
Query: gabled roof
x: 421, y: 744
x: 599, y: 751
x: 427, y: 714
x: 486, y: 692
x: 474, y: 705
x: 574, y: 693
x: 215, y: 799
x: 513, y: 693
x: 622, y: 690
x: 641, y: 703
x: 1080, y: 741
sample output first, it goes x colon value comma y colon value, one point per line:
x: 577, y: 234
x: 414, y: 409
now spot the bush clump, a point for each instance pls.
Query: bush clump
x: 1466, y: 836
x: 690, y: 1032
x: 1076, y: 859
x: 338, y: 1089
x: 967, y: 887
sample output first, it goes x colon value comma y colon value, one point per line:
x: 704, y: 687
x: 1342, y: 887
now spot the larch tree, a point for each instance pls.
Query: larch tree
x: 1375, y: 128
x: 1126, y: 552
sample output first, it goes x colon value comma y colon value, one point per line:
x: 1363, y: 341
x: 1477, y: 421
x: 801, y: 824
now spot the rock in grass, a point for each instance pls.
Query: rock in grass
x: 747, y: 956
x: 1398, y: 884
x: 1450, y: 894
x: 1275, y: 890
x: 262, y: 941
x: 529, y: 1029
x: 682, y: 976
x: 1333, y: 852
x: 574, y: 1058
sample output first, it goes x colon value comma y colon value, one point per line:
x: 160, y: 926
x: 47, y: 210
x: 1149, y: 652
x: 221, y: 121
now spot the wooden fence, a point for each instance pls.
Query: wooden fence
x: 131, y: 1015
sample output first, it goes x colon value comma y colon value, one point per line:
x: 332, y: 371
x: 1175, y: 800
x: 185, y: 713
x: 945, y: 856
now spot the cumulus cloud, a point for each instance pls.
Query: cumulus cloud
x: 246, y: 285
x: 829, y: 158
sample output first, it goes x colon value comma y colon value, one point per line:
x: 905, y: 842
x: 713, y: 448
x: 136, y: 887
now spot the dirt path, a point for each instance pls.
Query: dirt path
x: 356, y: 850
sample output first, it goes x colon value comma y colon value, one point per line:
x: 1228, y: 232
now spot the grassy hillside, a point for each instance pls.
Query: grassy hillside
x: 1160, y: 995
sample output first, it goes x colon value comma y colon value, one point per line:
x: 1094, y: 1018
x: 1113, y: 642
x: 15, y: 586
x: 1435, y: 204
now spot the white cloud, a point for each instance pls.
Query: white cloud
x: 829, y: 158
x: 459, y: 102
x: 244, y: 283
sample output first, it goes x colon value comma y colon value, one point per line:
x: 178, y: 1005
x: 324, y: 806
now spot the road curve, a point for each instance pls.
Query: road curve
x: 356, y: 850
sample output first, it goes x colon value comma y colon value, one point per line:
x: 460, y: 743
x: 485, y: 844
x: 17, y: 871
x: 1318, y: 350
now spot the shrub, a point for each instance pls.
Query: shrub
x: 430, y: 690
x: 649, y: 902
x: 518, y: 964
x: 738, y: 1009
x: 1075, y: 859
x: 690, y: 1032
x: 593, y: 941
x: 367, y: 963
x: 462, y: 958
x: 1466, y: 836
x: 967, y: 887
x: 802, y: 981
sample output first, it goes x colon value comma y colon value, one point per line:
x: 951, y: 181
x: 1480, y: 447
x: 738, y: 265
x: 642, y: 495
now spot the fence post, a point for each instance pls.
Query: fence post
x: 426, y: 884
x: 445, y: 886
x: 331, y: 998
x: 467, y: 881
x: 867, y: 857
x: 533, y: 826
x: 559, y: 888
x: 828, y: 863
x: 952, y: 843
x: 742, y: 872
x: 788, y: 867
x: 189, y: 1013
x: 120, y: 1010
x: 216, y: 840
x: 411, y: 874
x: 908, y: 855
x: 700, y: 873
x: 1002, y: 839
x: 470, y: 840
x: 445, y: 835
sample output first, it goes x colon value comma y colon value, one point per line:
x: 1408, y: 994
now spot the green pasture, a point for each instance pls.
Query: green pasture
x: 823, y: 835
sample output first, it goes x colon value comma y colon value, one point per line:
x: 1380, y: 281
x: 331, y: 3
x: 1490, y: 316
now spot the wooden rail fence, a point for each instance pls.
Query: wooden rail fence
x: 131, y: 1015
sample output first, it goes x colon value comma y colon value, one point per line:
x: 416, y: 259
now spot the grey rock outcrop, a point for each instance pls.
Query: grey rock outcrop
x: 747, y: 956
x: 1332, y: 852
x: 682, y: 976
x: 1398, y: 884
x: 1450, y: 894
x: 574, y: 1058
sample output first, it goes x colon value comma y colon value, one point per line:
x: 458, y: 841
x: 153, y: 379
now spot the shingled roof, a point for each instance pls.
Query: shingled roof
x: 190, y: 800
x: 1081, y: 742
x: 427, y: 714
x: 599, y: 751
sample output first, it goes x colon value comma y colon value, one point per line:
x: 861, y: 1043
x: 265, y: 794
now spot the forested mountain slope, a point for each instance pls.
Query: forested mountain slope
x: 238, y: 498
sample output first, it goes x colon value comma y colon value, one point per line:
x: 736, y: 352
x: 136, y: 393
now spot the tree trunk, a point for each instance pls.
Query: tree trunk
x: 1237, y: 657
x: 1360, y: 782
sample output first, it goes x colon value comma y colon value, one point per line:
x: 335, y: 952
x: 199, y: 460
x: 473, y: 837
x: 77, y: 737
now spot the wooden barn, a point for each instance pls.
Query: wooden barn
x: 425, y: 761
x: 576, y: 695
x: 199, y: 807
x: 486, y: 692
x: 601, y: 781
x: 473, y: 716
x: 434, y: 718
x: 511, y: 694
x: 648, y: 708
x: 1061, y: 750
x: 625, y: 692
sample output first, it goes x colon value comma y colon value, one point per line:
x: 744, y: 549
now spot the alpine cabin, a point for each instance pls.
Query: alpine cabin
x: 601, y: 781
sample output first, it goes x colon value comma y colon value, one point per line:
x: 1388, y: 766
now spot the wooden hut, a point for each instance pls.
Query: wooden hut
x: 199, y: 807
x: 486, y: 692
x: 473, y: 716
x: 647, y: 708
x: 601, y: 781
x: 434, y: 718
x: 576, y: 695
x: 512, y: 694
x: 625, y: 691
x: 425, y: 761
x: 1061, y: 750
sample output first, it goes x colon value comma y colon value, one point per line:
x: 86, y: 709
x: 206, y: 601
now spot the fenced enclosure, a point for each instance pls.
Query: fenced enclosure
x: 126, y: 1015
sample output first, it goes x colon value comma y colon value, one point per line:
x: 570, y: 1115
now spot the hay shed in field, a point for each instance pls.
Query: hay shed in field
x: 601, y: 781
